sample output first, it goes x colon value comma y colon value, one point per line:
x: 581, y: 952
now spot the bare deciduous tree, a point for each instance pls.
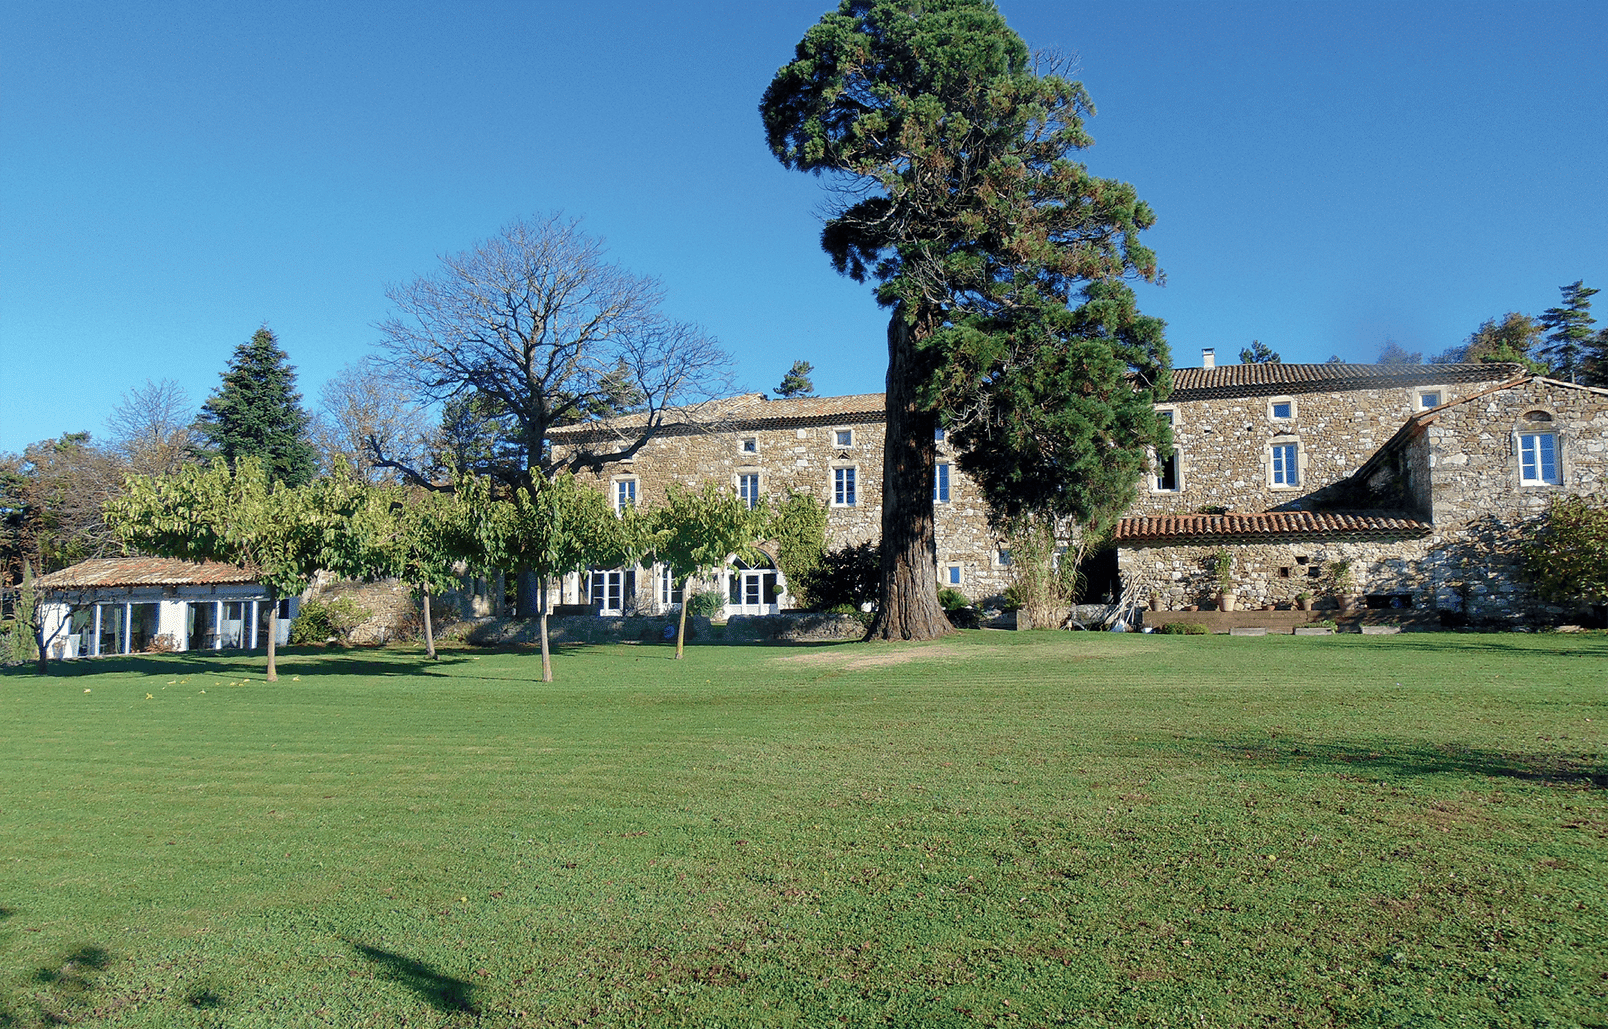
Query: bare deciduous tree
x: 365, y: 410
x: 152, y: 428
x: 537, y: 324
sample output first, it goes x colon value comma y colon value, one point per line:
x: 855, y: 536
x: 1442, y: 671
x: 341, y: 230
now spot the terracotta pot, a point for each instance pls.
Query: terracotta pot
x: 1192, y: 607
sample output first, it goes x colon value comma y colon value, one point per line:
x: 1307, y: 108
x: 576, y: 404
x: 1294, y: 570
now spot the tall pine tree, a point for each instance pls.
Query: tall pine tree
x: 256, y: 412
x: 1570, y: 331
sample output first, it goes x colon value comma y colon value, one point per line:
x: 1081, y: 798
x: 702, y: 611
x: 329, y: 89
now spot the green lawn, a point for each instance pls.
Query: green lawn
x: 998, y: 829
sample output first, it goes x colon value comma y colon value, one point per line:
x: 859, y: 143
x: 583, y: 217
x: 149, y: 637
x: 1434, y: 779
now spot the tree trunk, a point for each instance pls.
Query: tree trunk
x: 908, y: 607
x: 273, y: 635
x: 429, y: 630
x: 43, y: 667
x: 681, y: 625
x: 547, y: 657
x: 529, y: 587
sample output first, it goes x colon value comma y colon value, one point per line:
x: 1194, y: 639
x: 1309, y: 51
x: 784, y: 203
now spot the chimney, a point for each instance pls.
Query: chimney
x: 1208, y: 358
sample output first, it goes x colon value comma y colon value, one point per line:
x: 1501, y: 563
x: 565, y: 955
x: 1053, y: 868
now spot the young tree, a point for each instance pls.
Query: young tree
x: 1259, y: 353
x: 696, y: 533
x: 552, y: 527
x: 153, y: 428
x: 535, y: 328
x: 964, y: 204
x: 283, y: 533
x: 796, y: 383
x: 406, y: 533
x: 1566, y: 551
x: 1569, y: 334
x: 256, y: 412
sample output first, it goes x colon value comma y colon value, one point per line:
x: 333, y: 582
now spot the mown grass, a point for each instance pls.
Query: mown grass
x: 999, y: 829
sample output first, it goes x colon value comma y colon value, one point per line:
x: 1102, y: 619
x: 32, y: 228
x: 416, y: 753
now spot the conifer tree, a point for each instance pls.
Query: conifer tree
x: 1259, y: 353
x: 1570, y: 337
x: 796, y: 383
x: 997, y: 255
x: 256, y: 412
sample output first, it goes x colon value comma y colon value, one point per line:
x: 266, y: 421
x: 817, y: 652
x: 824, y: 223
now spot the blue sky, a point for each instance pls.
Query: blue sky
x: 1325, y: 174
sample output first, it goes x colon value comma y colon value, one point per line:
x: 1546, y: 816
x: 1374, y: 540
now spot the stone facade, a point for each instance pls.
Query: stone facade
x: 813, y: 446
x: 1464, y: 477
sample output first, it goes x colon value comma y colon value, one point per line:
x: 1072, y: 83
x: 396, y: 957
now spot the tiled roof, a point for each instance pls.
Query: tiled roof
x: 1267, y: 525
x: 144, y: 571
x: 1254, y: 380
x: 735, y: 414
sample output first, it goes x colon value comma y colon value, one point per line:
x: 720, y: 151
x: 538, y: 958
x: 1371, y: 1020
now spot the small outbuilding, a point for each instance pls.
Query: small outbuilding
x: 128, y: 605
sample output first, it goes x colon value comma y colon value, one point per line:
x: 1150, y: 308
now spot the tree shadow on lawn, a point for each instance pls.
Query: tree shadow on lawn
x: 1401, y: 758
x: 442, y: 992
x: 307, y: 663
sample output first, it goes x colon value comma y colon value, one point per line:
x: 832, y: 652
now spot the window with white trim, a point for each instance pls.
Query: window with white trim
x: 952, y: 575
x: 670, y: 589
x: 940, y: 483
x: 609, y: 590
x: 1167, y: 473
x: 1281, y: 409
x: 843, y: 437
x: 625, y: 494
x: 750, y: 445
x: 1002, y: 557
x: 1538, y: 459
x: 748, y: 488
x: 1429, y: 398
x: 1286, y: 464
x: 843, y: 494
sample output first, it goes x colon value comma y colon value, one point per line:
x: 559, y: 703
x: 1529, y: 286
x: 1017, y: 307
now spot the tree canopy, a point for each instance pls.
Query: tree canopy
x: 1259, y: 353
x: 796, y: 383
x: 995, y: 251
x: 1511, y: 339
x: 1569, y: 337
x: 695, y: 531
x: 256, y: 412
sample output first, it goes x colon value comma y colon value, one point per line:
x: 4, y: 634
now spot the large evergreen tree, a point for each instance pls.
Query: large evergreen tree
x: 965, y: 206
x: 256, y: 412
x: 1569, y: 332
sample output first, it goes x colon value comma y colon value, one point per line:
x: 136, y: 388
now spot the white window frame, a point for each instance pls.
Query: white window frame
x: 1170, y: 412
x: 618, y: 487
x: 748, y: 445
x: 953, y: 575
x: 941, y: 481
x: 1002, y: 557
x: 611, y: 578
x: 754, y: 483
x: 1418, y: 397
x: 851, y: 496
x: 838, y: 434
x: 665, y: 577
x: 1531, y: 456
x: 1272, y: 405
x: 1279, y: 455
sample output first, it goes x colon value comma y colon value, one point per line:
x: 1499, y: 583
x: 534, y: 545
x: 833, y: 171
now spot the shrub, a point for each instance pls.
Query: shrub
x: 800, y: 540
x: 1183, y: 629
x: 1566, y: 551
x: 706, y: 604
x: 850, y: 575
x: 952, y: 599
x: 319, y: 621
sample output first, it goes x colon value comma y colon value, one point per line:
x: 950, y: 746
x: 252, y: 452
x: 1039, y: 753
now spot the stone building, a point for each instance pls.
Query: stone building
x: 1415, y: 480
x: 826, y: 447
x: 1416, y: 488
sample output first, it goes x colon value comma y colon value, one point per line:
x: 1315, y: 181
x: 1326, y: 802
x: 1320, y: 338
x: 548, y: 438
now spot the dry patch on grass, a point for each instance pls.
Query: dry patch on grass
x: 869, y: 657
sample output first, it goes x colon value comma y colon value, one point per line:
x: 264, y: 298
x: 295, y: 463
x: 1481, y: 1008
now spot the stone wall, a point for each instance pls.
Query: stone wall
x: 1224, y: 445
x: 803, y: 459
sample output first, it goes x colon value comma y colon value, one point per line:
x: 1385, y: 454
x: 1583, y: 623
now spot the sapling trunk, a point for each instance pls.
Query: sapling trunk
x: 547, y: 657
x: 273, y: 636
x: 429, y: 631
x: 681, y: 623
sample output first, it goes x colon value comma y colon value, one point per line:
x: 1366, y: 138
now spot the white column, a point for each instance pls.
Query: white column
x: 250, y: 608
x: 128, y: 628
x: 94, y: 647
x: 217, y: 625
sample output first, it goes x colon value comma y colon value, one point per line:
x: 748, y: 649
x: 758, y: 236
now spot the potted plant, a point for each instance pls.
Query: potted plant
x: 1223, y: 568
x: 1344, y: 586
x: 1155, y: 600
x: 1303, y: 601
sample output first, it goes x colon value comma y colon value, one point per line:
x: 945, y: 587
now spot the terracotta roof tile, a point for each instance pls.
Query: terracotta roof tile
x: 1274, y: 524
x: 144, y: 571
x: 735, y: 414
x: 1250, y: 380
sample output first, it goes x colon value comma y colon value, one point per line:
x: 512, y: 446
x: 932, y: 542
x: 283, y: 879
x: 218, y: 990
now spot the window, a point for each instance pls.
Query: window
x: 750, y: 445
x: 940, y: 483
x: 844, y: 437
x: 1538, y: 459
x: 938, y: 435
x: 1286, y: 467
x: 1002, y: 557
x: 843, y: 487
x: 669, y: 590
x: 1429, y: 399
x: 1165, y: 416
x: 748, y: 488
x: 952, y: 575
x: 1167, y: 473
x: 1283, y: 410
x: 610, y: 591
x: 625, y: 494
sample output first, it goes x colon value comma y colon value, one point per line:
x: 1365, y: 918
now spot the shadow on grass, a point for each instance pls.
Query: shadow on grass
x: 62, y: 990
x: 442, y: 992
x: 305, y: 662
x: 1399, y: 758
